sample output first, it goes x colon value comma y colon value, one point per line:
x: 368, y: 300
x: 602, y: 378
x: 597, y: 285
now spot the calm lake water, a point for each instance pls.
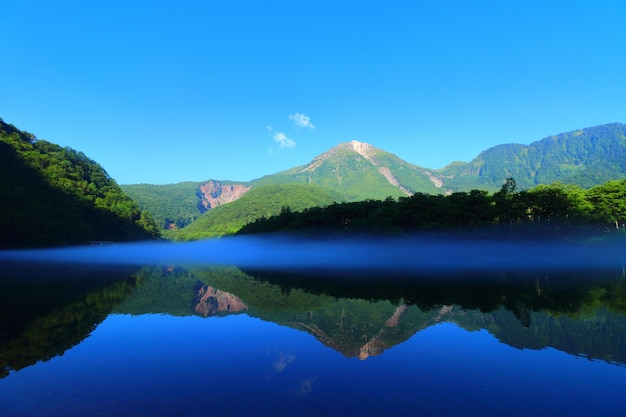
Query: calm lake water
x: 84, y: 337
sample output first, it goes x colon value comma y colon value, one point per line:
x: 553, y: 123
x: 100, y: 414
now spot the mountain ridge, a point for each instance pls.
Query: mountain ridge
x: 346, y: 165
x: 566, y: 152
x: 585, y: 157
x: 357, y: 171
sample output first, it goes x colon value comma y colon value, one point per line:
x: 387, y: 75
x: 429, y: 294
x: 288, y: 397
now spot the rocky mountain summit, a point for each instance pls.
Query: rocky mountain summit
x: 368, y: 152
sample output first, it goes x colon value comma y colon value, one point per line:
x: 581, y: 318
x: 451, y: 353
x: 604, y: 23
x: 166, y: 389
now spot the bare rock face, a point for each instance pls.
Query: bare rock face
x: 209, y: 301
x: 214, y: 193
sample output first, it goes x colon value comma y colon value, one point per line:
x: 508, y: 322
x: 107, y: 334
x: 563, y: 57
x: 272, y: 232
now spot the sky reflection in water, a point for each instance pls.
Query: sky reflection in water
x: 162, y: 365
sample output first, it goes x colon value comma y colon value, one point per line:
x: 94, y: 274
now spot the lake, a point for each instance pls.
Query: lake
x: 321, y: 328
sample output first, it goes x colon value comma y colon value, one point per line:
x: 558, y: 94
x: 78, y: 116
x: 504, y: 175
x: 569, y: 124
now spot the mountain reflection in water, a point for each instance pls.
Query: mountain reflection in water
x: 360, y: 315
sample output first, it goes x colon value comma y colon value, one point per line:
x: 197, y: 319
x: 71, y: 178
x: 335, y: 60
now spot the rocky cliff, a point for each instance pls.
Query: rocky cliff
x: 214, y: 193
x: 209, y: 301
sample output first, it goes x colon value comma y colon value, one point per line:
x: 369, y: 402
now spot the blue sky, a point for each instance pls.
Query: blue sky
x: 162, y: 92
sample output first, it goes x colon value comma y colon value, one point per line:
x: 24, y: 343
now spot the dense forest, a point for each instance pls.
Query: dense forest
x: 54, y: 196
x: 170, y: 205
x: 554, y: 209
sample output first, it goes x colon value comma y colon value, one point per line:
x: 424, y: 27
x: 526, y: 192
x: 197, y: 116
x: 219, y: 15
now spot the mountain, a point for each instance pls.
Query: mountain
x: 54, y: 196
x: 58, y: 196
x: 355, y: 171
x: 359, y: 171
x: 351, y: 171
x: 586, y: 157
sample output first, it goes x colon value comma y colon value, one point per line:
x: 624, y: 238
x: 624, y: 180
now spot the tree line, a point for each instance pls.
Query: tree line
x: 552, y: 209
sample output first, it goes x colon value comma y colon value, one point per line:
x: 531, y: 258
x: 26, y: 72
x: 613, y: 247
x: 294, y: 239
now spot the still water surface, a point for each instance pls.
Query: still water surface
x: 170, y: 340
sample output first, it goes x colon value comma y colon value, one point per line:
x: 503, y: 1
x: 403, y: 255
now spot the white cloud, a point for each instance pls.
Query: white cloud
x: 283, y: 141
x: 301, y: 120
x: 283, y: 361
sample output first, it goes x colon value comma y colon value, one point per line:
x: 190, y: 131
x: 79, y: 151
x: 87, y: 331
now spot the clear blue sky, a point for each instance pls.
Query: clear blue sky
x: 168, y: 91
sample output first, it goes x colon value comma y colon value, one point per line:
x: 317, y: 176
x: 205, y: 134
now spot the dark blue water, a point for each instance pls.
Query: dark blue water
x: 161, y: 365
x: 84, y: 339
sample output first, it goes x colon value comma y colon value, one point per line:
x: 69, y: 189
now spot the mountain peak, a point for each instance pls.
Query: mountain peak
x: 364, y: 149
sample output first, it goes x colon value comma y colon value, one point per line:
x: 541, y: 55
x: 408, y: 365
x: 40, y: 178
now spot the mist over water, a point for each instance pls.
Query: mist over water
x: 412, y: 254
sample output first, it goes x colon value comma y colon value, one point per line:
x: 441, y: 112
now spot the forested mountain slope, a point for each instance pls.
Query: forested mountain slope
x: 53, y: 196
x: 173, y: 206
x: 586, y: 157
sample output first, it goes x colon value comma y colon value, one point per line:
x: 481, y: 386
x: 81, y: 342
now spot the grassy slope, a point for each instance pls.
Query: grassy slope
x: 262, y: 201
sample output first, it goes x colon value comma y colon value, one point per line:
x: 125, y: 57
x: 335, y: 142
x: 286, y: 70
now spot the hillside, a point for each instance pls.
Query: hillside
x: 259, y: 202
x: 175, y: 206
x: 586, y: 157
x: 55, y: 196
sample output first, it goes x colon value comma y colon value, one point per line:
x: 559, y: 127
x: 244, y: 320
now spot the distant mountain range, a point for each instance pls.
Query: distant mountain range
x: 354, y: 171
x: 57, y: 196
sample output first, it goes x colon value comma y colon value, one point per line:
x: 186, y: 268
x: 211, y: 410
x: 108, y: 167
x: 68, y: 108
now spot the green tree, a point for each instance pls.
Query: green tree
x: 558, y: 203
x: 608, y: 203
